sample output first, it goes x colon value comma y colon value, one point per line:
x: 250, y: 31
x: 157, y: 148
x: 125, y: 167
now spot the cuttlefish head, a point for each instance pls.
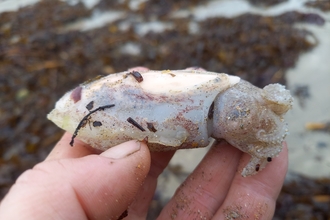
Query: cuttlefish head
x: 251, y: 119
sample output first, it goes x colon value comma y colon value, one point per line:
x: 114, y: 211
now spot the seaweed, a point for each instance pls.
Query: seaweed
x: 323, y: 5
x: 266, y: 3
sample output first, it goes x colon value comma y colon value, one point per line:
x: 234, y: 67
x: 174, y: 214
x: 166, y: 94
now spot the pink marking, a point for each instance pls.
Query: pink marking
x: 76, y: 94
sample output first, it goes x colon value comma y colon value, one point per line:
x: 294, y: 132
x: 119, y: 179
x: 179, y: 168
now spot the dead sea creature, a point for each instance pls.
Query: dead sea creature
x: 176, y: 109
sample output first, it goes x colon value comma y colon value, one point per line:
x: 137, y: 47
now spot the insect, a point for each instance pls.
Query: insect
x: 177, y: 109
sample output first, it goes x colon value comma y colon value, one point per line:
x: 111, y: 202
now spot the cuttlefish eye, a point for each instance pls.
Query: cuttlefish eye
x: 278, y: 99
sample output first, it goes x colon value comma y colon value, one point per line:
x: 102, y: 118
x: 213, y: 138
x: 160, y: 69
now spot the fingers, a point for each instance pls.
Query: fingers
x: 255, y: 196
x: 139, y: 208
x: 206, y: 188
x: 92, y: 187
x: 216, y: 190
x: 63, y: 149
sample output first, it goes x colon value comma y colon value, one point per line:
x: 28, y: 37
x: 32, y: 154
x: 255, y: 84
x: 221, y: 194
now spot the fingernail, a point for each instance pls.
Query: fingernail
x: 122, y: 150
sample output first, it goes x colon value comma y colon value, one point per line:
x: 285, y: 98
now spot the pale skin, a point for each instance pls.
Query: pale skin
x: 78, y: 183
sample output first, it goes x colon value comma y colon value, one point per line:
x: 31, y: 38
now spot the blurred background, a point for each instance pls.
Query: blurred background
x: 48, y: 47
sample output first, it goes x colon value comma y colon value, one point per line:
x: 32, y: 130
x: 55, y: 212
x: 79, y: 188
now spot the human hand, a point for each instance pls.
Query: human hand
x: 74, y: 183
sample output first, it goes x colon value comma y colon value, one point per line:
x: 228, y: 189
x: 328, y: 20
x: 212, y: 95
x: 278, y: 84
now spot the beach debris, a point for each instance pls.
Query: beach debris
x: 301, y: 92
x: 318, y: 126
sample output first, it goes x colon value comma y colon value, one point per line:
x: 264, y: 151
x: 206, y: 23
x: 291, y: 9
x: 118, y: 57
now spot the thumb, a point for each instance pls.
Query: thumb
x: 92, y: 187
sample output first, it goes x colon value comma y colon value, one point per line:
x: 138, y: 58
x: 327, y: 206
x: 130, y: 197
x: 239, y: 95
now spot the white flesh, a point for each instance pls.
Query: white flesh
x: 177, y: 103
